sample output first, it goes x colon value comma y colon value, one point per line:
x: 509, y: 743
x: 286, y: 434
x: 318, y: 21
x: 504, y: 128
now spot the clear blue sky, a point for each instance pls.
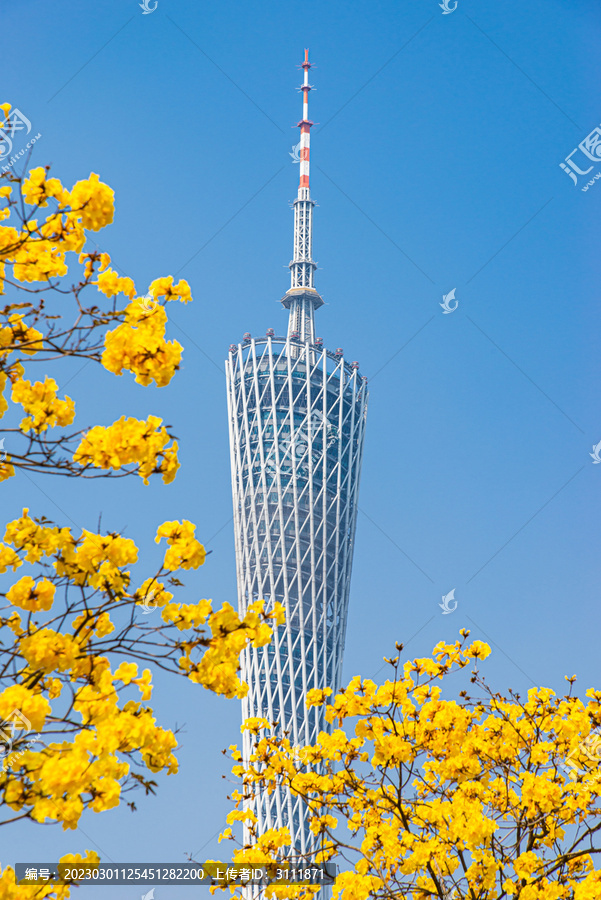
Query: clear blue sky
x: 435, y: 166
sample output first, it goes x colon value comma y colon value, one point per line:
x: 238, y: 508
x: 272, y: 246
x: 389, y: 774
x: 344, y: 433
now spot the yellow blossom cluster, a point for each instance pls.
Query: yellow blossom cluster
x: 35, y: 539
x: 63, y: 778
x: 44, y: 409
x: 37, y: 250
x: 8, y: 559
x: 17, y: 334
x: 130, y: 441
x: 39, y: 255
x: 49, y: 651
x: 97, y: 560
x: 38, y: 188
x: 439, y: 798
x: 26, y: 594
x: 32, y: 705
x: 164, y: 287
x: 90, y: 623
x: 66, y: 777
x: 218, y: 668
x: 93, y: 202
x: 187, y: 615
x: 138, y: 345
x: 92, y: 560
x: 111, y: 284
x: 184, y: 551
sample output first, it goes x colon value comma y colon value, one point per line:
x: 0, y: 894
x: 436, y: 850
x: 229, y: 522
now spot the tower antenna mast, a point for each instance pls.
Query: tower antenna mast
x: 302, y: 299
x: 305, y: 125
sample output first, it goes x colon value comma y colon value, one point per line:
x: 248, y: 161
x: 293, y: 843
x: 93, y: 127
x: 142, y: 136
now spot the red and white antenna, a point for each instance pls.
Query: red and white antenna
x: 302, y: 299
x: 305, y: 127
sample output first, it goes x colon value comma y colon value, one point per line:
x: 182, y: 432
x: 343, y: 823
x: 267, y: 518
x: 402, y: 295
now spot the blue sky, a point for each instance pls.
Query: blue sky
x: 435, y: 165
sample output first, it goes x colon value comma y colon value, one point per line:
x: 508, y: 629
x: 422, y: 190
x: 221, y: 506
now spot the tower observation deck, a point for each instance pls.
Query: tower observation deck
x: 296, y: 416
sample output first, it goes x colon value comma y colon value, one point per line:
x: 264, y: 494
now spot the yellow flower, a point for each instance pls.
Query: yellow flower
x: 19, y: 335
x: 170, y: 463
x: 54, y: 687
x: 144, y: 683
x: 254, y: 724
x: 125, y: 442
x: 152, y: 592
x: 26, y: 594
x: 34, y: 707
x: 8, y: 557
x: 319, y: 824
x: 164, y: 287
x: 93, y: 202
x: 184, y: 551
x: 40, y: 401
x: 104, y: 625
x: 97, y: 560
x: 111, y: 284
x: 316, y: 697
x: 278, y: 614
x: 241, y: 815
x: 3, y: 379
x: 40, y: 253
x: 48, y: 651
x: 37, y: 540
x: 187, y: 615
x: 126, y: 672
x: 138, y: 345
x: 14, y: 623
x: 6, y: 470
x: 36, y: 188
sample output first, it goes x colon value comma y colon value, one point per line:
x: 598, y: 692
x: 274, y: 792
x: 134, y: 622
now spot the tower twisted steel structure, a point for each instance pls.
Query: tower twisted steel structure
x: 296, y: 421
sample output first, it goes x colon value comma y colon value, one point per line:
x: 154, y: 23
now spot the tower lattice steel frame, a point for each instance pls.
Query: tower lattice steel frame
x: 296, y: 420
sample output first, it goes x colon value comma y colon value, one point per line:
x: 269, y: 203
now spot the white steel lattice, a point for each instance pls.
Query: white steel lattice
x: 296, y: 421
x: 303, y: 266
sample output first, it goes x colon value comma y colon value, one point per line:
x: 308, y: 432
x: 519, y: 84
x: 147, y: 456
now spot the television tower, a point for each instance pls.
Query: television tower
x: 296, y: 416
